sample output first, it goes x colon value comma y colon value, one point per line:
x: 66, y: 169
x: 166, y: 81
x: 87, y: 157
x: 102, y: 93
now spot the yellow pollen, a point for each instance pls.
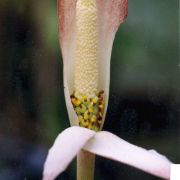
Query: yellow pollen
x: 86, y: 116
x: 90, y: 126
x: 95, y: 100
x: 100, y: 114
x: 93, y: 119
x: 85, y: 123
x: 99, y: 121
x: 101, y: 106
x: 90, y: 109
x: 80, y: 118
x: 78, y: 102
x: 73, y: 100
x: 84, y: 98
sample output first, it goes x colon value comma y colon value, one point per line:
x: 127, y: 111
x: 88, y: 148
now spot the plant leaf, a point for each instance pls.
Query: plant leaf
x: 105, y: 144
x: 112, y: 147
x: 66, y: 146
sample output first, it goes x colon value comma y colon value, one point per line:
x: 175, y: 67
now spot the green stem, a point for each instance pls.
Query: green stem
x: 85, y: 165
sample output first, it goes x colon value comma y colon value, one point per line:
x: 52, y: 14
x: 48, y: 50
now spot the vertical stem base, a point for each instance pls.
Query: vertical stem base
x: 85, y: 165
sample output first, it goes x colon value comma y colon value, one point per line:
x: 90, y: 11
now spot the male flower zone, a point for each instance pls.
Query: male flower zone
x: 87, y: 29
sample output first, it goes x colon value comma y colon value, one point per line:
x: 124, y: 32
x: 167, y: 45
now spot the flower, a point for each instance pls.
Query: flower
x: 87, y: 30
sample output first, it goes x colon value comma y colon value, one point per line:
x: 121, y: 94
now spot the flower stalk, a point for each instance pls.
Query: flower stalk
x: 85, y: 165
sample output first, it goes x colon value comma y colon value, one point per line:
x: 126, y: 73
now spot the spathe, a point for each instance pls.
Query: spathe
x: 105, y: 144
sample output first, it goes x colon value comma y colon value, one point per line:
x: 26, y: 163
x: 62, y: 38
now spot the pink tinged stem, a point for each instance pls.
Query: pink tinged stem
x: 85, y: 165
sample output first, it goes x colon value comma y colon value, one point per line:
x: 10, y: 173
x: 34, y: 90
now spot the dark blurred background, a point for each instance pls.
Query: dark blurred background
x: 144, y: 105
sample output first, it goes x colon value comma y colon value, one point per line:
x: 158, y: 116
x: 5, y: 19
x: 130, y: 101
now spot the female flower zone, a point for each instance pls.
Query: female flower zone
x: 87, y: 29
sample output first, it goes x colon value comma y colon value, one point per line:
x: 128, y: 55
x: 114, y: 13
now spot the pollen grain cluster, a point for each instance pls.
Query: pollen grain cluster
x: 89, y: 110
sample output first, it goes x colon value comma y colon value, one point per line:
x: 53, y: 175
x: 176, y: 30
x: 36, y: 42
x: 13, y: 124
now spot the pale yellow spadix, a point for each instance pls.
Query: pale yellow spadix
x: 86, y: 48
